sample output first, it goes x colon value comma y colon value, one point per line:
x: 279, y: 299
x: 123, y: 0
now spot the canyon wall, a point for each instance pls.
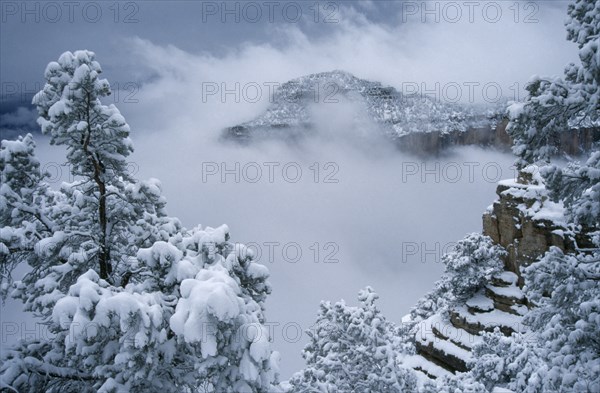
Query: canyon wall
x: 573, y: 142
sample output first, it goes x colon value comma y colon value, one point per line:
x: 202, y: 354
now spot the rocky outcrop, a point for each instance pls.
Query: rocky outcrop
x: 444, y: 342
x: 526, y: 223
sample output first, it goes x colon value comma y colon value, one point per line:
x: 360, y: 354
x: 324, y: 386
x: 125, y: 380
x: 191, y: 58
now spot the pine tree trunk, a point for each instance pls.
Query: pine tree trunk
x: 104, y: 253
x: 104, y: 256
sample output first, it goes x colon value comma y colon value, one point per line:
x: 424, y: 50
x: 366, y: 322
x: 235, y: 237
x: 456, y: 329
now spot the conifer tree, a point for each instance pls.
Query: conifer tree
x: 134, y: 302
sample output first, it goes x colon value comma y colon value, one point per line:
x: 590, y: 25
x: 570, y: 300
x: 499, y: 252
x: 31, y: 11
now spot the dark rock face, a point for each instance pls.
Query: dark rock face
x: 511, y: 225
x: 581, y: 140
x: 433, y: 143
x: 574, y: 142
x: 245, y: 135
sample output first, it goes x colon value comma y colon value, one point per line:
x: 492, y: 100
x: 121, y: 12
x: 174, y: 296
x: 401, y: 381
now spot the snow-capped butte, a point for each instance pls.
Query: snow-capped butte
x: 291, y: 112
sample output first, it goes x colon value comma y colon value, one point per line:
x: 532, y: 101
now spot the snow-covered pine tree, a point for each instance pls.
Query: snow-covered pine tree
x: 566, y: 320
x: 97, y: 140
x: 556, y: 105
x: 24, y: 198
x: 473, y: 261
x: 134, y: 302
x: 501, y: 361
x: 99, y: 220
x: 560, y: 351
x: 353, y: 349
x: 578, y: 186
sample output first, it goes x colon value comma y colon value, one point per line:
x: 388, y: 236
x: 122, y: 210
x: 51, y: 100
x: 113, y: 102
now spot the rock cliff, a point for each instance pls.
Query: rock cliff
x: 526, y: 223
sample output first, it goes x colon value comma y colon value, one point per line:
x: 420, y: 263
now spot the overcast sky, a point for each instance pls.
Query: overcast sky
x: 504, y: 41
x: 161, y: 55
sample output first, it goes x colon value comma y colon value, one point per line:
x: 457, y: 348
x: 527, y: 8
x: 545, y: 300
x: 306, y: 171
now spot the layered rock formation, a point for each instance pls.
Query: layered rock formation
x: 444, y: 342
x: 526, y: 223
x: 491, y: 135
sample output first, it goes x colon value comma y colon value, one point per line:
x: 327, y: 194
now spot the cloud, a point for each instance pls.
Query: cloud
x: 22, y: 116
x: 478, y: 61
x: 18, y: 122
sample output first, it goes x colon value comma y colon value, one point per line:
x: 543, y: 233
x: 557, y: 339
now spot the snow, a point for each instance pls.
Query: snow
x: 64, y: 310
x: 524, y: 191
x: 418, y: 361
x: 211, y: 297
x: 480, y: 302
x: 12, y: 148
x: 256, y: 270
x: 493, y: 319
x: 508, y: 277
x: 162, y: 252
x: 185, y: 269
x: 58, y: 109
x: 248, y: 368
x: 82, y: 125
x: 448, y: 347
x: 509, y: 292
x: 542, y: 208
x: 437, y: 323
x: 47, y: 245
x: 259, y: 338
x: 207, y: 237
x: 516, y: 109
x: 551, y: 211
x: 367, y: 296
x: 520, y: 309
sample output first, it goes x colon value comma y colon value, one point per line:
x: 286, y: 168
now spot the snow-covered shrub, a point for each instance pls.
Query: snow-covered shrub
x: 353, y: 349
x: 566, y: 319
x: 472, y: 262
x: 461, y: 383
x: 24, y: 201
x: 560, y: 351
